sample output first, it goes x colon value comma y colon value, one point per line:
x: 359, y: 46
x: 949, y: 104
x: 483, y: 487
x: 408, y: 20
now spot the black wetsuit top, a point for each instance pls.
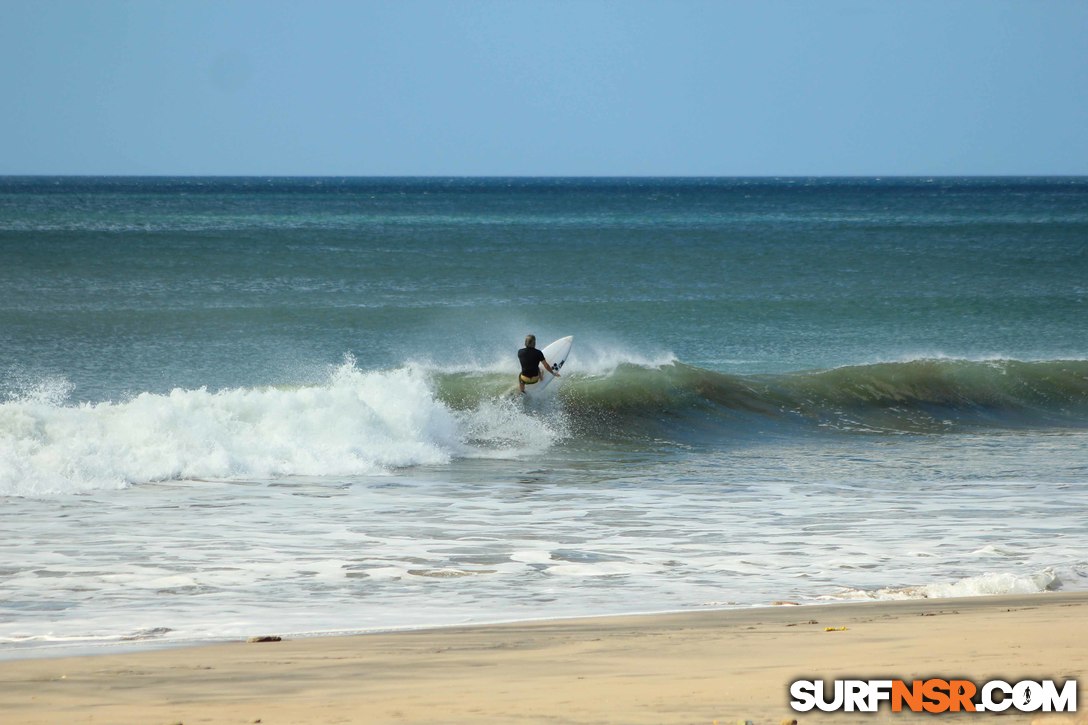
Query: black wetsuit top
x: 530, y: 359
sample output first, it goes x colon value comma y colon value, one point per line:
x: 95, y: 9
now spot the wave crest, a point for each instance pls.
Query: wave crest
x: 918, y: 396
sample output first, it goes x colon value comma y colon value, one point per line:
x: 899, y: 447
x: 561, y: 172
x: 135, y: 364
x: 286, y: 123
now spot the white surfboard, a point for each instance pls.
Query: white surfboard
x: 556, y: 354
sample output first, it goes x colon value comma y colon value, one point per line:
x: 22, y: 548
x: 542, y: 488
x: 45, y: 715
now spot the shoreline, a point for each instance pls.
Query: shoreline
x: 725, y: 665
x: 59, y: 650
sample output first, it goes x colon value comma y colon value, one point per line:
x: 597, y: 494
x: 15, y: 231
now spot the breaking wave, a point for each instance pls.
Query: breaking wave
x: 677, y: 401
x: 356, y: 423
x: 918, y: 396
x: 369, y: 422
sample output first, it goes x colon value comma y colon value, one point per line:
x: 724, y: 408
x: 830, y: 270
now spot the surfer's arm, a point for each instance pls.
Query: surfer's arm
x: 549, y: 367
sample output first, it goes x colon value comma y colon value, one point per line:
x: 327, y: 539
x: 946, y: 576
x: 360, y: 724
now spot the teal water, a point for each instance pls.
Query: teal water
x: 250, y: 395
x: 152, y: 284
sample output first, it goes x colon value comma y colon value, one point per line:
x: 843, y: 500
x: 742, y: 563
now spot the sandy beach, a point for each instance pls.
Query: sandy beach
x: 724, y: 666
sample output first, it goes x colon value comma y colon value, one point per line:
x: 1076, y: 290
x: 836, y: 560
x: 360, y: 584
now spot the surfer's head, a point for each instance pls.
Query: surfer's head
x: 530, y: 341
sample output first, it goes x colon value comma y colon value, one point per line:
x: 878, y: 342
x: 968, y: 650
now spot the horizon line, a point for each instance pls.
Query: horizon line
x: 531, y: 176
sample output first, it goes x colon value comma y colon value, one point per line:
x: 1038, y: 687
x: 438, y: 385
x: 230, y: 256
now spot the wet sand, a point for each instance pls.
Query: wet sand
x: 700, y: 667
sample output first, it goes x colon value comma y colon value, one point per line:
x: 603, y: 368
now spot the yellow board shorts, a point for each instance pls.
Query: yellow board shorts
x: 529, y: 381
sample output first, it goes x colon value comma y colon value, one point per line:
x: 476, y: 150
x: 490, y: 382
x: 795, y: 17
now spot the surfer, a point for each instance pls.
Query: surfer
x: 531, y: 360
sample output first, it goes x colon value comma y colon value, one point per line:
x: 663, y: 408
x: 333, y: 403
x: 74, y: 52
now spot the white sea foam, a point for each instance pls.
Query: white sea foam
x: 587, y: 358
x: 356, y: 423
x: 604, y: 359
x: 990, y: 583
x: 992, y: 357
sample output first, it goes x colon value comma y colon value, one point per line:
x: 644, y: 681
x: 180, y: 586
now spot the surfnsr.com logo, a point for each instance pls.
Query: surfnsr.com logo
x: 933, y: 695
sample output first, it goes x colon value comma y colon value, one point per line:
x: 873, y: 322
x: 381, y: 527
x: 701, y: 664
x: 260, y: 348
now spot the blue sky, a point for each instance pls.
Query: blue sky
x: 543, y: 88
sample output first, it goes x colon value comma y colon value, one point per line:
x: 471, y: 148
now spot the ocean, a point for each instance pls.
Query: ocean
x: 249, y: 406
